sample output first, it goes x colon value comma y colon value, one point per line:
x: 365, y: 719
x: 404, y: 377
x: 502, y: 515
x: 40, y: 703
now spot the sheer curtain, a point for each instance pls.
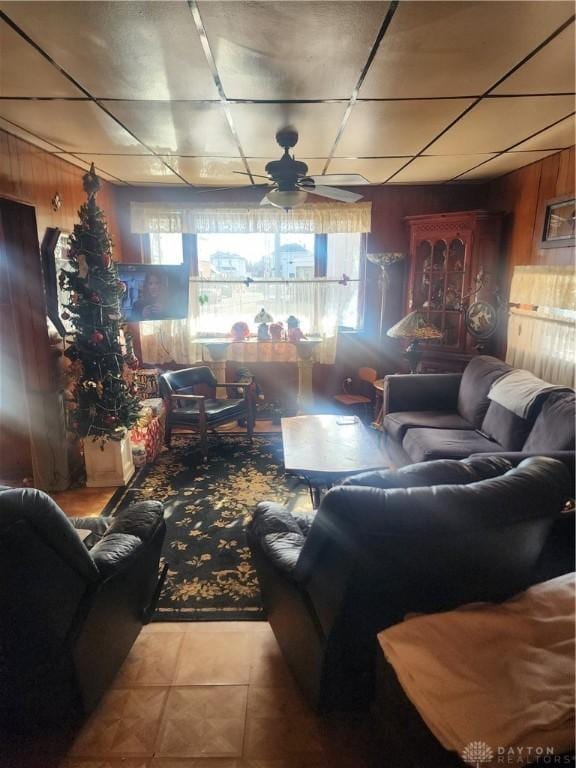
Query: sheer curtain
x: 543, y: 339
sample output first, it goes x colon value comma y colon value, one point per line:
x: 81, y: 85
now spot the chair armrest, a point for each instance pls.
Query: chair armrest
x: 421, y: 392
x: 141, y: 519
x: 235, y: 384
x: 115, y: 552
x: 515, y: 457
x: 200, y: 398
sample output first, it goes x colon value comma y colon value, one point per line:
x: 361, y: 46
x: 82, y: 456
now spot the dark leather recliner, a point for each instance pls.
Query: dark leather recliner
x: 69, y: 614
x: 426, y: 538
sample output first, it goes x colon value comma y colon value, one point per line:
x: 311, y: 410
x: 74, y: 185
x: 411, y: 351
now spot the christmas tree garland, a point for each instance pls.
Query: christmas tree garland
x: 105, y: 405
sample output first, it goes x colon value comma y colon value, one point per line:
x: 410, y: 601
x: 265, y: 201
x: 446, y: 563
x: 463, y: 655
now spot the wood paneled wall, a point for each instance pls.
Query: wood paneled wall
x: 522, y: 195
x: 30, y: 175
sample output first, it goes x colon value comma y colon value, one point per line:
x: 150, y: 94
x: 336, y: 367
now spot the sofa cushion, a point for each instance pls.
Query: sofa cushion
x: 553, y: 429
x: 505, y: 427
x: 426, y: 444
x: 479, y: 375
x: 396, y: 424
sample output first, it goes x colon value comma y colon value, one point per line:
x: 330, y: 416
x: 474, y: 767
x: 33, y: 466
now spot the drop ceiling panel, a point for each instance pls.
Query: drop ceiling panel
x: 75, y: 126
x: 505, y: 163
x: 317, y: 125
x: 128, y: 50
x: 457, y: 48
x: 374, y: 170
x: 25, y: 72
x: 22, y: 134
x: 551, y: 70
x: 209, y: 171
x: 135, y: 169
x: 560, y: 136
x: 441, y: 168
x: 177, y: 128
x: 396, y: 127
x: 496, y: 124
x: 78, y: 162
x: 258, y: 164
x: 287, y: 50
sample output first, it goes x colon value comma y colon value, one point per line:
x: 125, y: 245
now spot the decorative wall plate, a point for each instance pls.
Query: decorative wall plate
x: 481, y: 319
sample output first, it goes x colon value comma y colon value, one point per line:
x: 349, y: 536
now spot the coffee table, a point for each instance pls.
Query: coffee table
x: 325, y: 449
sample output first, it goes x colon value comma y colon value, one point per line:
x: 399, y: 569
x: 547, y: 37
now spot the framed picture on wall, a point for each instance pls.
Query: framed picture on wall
x: 559, y: 221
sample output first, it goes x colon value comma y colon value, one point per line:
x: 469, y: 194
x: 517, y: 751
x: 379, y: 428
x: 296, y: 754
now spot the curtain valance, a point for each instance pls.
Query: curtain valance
x: 319, y: 218
x: 546, y: 286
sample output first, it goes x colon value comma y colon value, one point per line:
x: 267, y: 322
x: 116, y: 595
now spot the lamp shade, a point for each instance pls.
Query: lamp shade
x: 415, y: 327
x: 384, y: 259
x: 287, y: 200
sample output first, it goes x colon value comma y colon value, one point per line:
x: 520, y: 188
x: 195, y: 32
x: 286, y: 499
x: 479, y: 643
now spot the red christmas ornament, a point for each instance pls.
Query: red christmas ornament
x: 97, y: 337
x: 110, y: 420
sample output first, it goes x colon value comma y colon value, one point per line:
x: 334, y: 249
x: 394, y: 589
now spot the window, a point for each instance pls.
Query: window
x: 287, y: 274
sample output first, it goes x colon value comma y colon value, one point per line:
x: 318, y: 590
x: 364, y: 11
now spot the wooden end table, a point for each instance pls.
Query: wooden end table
x: 324, y: 449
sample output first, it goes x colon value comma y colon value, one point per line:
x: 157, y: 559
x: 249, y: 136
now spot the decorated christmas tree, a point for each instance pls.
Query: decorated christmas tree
x: 104, y: 403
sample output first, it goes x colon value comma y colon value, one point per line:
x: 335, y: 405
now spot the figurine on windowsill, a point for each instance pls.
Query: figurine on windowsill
x: 276, y: 331
x: 240, y: 331
x: 294, y: 332
x: 263, y: 318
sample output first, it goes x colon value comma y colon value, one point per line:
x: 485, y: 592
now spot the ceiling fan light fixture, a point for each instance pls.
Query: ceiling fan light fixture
x: 288, y: 199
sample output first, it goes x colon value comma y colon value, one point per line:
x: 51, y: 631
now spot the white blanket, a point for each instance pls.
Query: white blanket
x: 502, y: 675
x: 517, y: 391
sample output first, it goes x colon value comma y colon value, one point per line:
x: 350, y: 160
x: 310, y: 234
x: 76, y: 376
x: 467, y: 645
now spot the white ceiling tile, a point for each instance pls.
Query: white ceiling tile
x: 286, y: 50
x: 15, y: 130
x: 134, y: 169
x: 375, y: 170
x: 560, y: 136
x: 258, y: 164
x: 396, y: 127
x: 441, y: 168
x: 496, y: 124
x: 317, y: 125
x: 85, y: 165
x: 551, y: 70
x: 505, y: 163
x: 209, y: 171
x: 128, y: 50
x: 75, y: 126
x: 457, y: 48
x: 25, y: 72
x: 177, y: 128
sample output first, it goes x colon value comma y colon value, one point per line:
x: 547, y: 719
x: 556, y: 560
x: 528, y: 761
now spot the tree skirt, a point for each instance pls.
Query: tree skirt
x: 207, y: 507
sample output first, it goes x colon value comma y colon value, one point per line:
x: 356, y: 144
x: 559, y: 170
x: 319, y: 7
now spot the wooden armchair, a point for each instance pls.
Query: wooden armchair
x: 191, y: 405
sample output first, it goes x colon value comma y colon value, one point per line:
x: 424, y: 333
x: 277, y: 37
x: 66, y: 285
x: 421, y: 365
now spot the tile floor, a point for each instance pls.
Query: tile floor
x: 211, y: 695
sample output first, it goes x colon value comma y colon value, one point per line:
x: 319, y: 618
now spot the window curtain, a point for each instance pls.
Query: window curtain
x: 318, y: 218
x: 547, y: 286
x: 543, y: 339
x: 320, y: 306
x: 542, y: 344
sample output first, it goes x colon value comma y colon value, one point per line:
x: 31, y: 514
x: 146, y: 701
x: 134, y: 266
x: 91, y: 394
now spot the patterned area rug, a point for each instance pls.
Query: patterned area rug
x: 207, y: 508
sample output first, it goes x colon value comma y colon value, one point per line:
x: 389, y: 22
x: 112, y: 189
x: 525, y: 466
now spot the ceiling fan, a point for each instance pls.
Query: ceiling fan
x: 289, y: 180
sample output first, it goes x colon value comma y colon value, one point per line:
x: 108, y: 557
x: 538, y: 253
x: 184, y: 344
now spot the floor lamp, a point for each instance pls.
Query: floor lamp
x: 384, y: 260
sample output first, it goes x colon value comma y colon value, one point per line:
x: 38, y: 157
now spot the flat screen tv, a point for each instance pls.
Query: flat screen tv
x: 154, y: 292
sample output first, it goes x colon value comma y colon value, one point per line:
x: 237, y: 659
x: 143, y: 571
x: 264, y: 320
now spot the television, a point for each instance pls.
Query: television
x: 52, y: 253
x: 154, y: 291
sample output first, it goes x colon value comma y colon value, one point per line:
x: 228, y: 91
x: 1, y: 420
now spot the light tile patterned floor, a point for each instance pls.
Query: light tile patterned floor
x: 209, y: 695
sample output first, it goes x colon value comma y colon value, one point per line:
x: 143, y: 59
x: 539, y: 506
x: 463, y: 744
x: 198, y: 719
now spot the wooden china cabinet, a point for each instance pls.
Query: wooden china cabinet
x: 454, y: 260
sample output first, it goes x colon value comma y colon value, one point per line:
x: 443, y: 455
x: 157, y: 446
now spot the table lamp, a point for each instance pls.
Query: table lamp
x: 415, y: 328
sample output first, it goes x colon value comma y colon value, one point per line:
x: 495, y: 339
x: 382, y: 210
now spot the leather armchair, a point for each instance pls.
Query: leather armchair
x: 70, y: 613
x: 191, y: 405
x: 426, y: 538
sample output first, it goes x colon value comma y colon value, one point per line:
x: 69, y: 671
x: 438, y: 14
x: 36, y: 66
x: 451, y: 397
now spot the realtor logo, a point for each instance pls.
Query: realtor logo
x: 477, y: 753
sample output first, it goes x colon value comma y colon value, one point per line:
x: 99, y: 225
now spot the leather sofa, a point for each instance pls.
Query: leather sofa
x: 450, y: 416
x: 427, y: 538
x: 70, y: 610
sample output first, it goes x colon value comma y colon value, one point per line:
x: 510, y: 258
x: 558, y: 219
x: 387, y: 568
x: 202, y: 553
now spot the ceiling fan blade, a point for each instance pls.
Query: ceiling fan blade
x: 345, y: 179
x: 343, y: 195
x: 256, y: 175
x: 265, y: 201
